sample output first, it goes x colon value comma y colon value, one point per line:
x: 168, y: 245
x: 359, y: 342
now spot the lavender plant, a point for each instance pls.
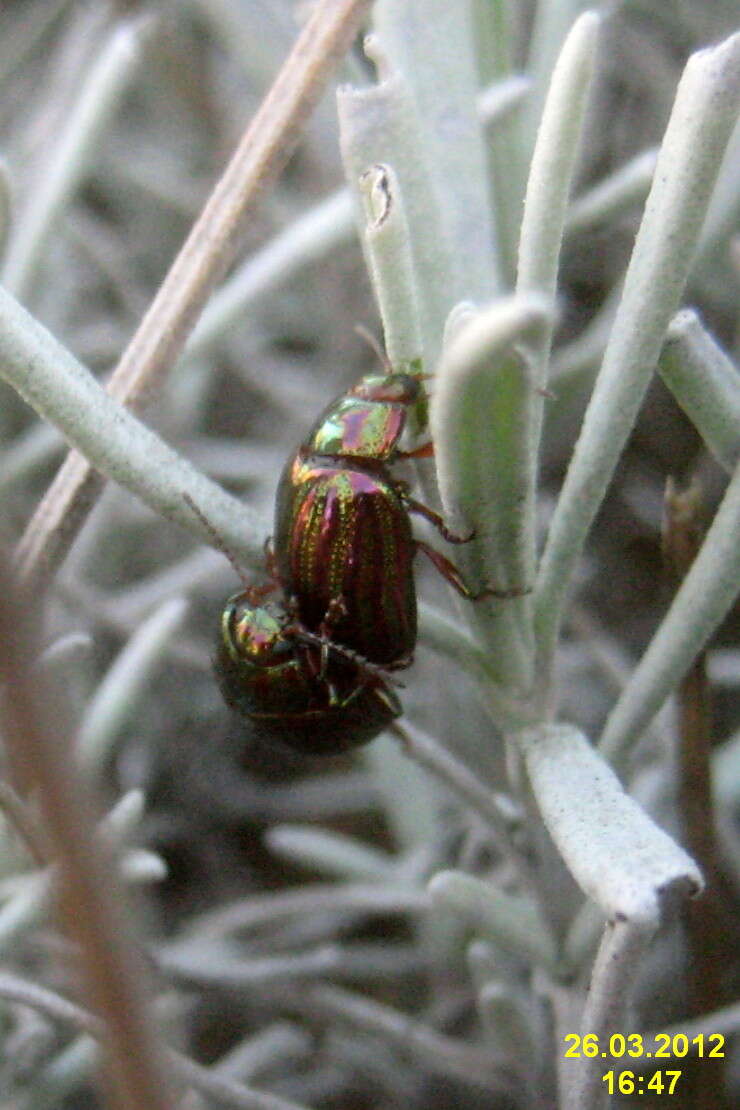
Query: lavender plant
x: 436, y: 920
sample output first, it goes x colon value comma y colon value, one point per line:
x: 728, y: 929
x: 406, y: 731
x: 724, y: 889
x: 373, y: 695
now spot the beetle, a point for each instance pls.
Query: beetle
x: 299, y: 689
x: 344, y: 547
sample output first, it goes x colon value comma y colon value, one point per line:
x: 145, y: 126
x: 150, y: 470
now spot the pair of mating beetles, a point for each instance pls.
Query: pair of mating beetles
x: 312, y: 671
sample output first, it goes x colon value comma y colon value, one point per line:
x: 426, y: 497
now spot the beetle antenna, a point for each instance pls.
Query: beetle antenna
x: 370, y: 670
x: 374, y: 345
x: 218, y: 541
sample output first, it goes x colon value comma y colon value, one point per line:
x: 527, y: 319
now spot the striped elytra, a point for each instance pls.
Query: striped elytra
x: 343, y: 539
x: 344, y: 548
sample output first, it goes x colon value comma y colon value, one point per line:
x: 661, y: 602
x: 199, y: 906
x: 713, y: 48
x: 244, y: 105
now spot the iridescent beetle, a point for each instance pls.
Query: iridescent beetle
x: 312, y: 672
x: 297, y: 687
x: 344, y: 548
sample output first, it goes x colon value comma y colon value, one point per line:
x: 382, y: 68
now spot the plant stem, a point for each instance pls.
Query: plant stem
x: 207, y: 252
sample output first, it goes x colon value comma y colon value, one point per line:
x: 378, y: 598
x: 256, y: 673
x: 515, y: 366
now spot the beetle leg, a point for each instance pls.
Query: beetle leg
x: 423, y: 451
x: 452, y: 575
x: 375, y: 673
x: 335, y: 613
x: 322, y: 639
x: 307, y: 641
x: 436, y: 519
x: 271, y: 560
x: 271, y: 566
x: 293, y: 624
x: 255, y: 594
x: 333, y: 698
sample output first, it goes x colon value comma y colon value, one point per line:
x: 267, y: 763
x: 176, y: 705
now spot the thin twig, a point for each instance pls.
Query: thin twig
x: 205, y: 256
x: 92, y: 910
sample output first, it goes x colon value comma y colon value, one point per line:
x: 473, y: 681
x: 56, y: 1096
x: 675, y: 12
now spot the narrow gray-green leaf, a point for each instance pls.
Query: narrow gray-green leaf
x: 615, y: 852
